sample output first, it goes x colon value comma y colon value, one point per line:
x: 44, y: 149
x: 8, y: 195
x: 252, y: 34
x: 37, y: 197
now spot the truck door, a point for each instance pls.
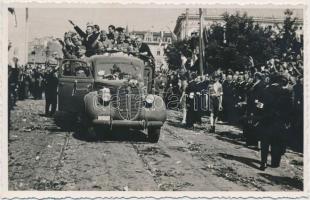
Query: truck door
x: 75, y: 82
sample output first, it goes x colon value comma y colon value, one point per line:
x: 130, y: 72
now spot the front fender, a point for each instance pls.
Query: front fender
x: 92, y: 107
x: 157, y: 112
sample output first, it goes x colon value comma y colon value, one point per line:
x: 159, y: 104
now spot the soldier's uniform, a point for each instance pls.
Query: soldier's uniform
x: 298, y: 113
x: 228, y: 101
x: 13, y: 84
x: 253, y: 113
x: 276, y: 106
x: 191, y: 104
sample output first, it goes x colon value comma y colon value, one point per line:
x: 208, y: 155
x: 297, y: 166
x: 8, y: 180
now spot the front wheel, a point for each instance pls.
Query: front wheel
x: 153, y: 134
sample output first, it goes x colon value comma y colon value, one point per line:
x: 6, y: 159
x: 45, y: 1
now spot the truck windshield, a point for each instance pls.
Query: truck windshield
x: 118, y: 71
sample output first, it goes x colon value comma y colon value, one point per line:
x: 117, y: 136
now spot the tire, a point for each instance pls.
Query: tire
x: 153, y: 134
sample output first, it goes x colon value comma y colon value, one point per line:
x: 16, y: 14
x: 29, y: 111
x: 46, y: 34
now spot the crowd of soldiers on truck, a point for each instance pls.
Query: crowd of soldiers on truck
x: 94, y: 41
x: 34, y: 80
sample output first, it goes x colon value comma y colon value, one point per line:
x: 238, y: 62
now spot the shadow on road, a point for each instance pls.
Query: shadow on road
x: 117, y: 135
x: 248, y: 161
x: 285, y: 181
x: 175, y: 124
x: 230, y: 137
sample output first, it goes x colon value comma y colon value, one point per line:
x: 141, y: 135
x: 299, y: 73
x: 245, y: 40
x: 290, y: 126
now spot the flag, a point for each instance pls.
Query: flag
x: 12, y: 11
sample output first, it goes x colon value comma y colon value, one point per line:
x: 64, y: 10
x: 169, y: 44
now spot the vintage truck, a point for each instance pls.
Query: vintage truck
x: 109, y: 91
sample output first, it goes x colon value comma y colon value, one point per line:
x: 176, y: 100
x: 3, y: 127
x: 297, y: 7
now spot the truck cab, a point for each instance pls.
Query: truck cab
x: 108, y: 91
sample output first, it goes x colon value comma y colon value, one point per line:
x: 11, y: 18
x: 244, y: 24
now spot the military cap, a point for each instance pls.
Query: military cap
x: 89, y: 24
x: 103, y: 32
x: 120, y: 29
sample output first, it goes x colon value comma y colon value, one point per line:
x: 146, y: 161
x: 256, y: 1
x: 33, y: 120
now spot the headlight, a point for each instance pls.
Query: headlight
x: 105, y: 94
x: 150, y: 99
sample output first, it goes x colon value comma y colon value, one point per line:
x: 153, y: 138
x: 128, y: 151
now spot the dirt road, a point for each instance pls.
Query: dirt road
x: 43, y: 157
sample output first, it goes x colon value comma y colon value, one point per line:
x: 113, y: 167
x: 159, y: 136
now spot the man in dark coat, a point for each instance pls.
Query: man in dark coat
x: 144, y: 51
x: 254, y: 95
x: 89, y: 37
x: 51, y: 91
x: 191, y: 102
x: 298, y: 112
x: 276, y: 107
x: 228, y: 101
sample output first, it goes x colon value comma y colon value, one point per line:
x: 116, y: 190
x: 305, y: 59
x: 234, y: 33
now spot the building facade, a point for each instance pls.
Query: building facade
x: 40, y: 49
x: 190, y: 22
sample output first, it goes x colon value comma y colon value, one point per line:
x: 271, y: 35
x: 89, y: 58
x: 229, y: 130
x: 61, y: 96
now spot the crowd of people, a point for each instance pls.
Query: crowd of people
x: 80, y: 44
x: 265, y: 99
x: 37, y: 81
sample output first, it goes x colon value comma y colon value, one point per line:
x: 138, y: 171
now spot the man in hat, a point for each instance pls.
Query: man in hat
x: 103, y: 44
x: 275, y: 120
x: 89, y: 37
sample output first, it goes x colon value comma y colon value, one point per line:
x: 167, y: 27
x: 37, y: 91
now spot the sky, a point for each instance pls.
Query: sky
x: 54, y: 21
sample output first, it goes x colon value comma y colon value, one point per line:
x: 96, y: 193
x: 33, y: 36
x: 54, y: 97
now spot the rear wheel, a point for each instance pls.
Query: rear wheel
x: 153, y: 134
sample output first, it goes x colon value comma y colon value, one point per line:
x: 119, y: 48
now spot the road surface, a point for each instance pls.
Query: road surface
x: 43, y: 157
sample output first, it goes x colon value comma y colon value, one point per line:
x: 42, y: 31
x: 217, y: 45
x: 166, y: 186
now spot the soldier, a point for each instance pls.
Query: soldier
x: 13, y: 81
x: 111, y: 34
x: 298, y: 111
x: 144, y: 50
x: 121, y: 44
x: 103, y: 44
x: 51, y: 91
x: 228, y: 101
x: 254, y: 95
x: 216, y: 93
x: 191, y: 102
x: 276, y: 107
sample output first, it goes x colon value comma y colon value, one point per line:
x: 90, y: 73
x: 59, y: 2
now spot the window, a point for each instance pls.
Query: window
x: 158, y: 52
x: 75, y: 68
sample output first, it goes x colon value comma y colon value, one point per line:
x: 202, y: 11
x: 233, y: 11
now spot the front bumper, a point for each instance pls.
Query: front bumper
x: 129, y: 124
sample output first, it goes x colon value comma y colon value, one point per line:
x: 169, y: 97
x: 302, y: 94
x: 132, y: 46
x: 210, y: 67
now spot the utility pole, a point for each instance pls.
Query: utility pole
x: 200, y: 42
x: 26, y: 36
x: 186, y: 23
